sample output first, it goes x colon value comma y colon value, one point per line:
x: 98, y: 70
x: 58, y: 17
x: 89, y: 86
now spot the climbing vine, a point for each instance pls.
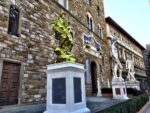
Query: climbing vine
x: 63, y: 51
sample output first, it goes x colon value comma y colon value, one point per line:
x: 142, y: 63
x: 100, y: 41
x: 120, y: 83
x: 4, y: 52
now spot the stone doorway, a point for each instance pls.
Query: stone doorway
x: 9, y: 83
x: 94, y: 78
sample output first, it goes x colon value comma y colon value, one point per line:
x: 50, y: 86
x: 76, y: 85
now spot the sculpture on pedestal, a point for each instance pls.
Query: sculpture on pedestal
x: 117, y: 64
x: 131, y: 80
x: 65, y: 81
x: 131, y: 72
x: 118, y: 83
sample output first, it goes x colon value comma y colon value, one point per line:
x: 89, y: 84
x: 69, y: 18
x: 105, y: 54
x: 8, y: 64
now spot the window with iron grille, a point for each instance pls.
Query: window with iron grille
x: 13, y: 26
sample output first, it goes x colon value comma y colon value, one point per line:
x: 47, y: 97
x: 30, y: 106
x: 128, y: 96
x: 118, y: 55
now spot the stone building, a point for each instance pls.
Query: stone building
x: 27, y: 43
x: 147, y: 62
x: 128, y: 47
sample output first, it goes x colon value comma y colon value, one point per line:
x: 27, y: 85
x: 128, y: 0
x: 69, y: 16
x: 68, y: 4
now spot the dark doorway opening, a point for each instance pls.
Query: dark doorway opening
x: 94, y: 78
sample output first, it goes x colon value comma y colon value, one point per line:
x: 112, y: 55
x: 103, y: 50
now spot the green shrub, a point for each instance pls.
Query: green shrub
x: 131, y: 91
x: 134, y: 91
x: 129, y: 106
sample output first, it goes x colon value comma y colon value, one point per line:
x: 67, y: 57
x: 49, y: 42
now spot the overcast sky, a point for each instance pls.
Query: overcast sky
x: 133, y: 16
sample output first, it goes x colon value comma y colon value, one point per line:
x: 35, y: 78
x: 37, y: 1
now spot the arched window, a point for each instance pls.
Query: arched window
x: 98, y: 10
x: 13, y: 26
x: 64, y: 3
x: 100, y: 32
x: 90, y: 22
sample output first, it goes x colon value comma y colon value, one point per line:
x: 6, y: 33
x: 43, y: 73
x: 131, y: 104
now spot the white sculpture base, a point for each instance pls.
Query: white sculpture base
x: 66, y: 88
x: 99, y: 93
x: 119, y: 89
x: 133, y: 84
x: 84, y: 110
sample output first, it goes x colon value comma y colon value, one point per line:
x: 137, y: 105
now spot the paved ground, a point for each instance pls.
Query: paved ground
x: 23, y: 109
x: 93, y: 103
x: 99, y: 103
x: 148, y: 109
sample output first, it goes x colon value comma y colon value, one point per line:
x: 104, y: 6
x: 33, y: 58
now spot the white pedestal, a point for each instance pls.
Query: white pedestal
x: 66, y: 88
x: 133, y: 84
x: 119, y: 89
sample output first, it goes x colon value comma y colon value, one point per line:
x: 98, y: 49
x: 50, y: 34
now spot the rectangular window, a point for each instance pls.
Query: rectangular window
x: 13, y: 25
x: 57, y: 35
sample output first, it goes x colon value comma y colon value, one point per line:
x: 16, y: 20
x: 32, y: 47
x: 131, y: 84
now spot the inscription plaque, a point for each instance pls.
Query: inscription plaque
x: 77, y: 90
x: 59, y: 91
x: 117, y: 91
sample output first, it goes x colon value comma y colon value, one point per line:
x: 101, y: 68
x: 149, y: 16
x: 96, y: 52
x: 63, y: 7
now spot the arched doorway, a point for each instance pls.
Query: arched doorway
x: 94, y: 78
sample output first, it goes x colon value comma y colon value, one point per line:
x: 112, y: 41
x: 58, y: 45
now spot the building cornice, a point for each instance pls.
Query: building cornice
x: 110, y: 21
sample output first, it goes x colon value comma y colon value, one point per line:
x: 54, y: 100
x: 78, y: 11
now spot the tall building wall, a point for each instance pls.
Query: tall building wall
x: 33, y: 46
x: 128, y: 47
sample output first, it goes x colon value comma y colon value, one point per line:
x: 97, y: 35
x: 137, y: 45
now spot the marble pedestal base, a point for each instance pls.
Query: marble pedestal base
x: 119, y: 89
x: 133, y: 84
x: 84, y: 110
x: 66, y: 88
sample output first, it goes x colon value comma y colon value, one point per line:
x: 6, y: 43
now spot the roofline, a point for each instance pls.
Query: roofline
x: 116, y: 25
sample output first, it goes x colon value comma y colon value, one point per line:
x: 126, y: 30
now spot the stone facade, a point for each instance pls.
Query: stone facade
x: 128, y: 47
x: 147, y: 61
x: 34, y: 47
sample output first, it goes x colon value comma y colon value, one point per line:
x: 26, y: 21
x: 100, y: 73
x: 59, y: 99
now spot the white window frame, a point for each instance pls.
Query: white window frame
x: 89, y: 23
x: 100, y: 31
x: 88, y: 1
x: 64, y: 3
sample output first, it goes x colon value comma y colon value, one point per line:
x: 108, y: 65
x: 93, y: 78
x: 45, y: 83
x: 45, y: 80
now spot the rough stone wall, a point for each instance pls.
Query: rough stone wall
x: 80, y: 12
x: 147, y: 61
x: 35, y: 46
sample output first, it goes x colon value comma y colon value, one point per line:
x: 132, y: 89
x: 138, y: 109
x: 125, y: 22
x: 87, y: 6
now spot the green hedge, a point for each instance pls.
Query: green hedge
x: 129, y: 106
x: 131, y: 91
x: 134, y: 92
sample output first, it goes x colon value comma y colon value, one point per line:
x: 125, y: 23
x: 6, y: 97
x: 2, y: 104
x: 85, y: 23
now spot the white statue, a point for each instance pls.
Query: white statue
x: 117, y: 63
x: 98, y: 87
x: 130, y: 67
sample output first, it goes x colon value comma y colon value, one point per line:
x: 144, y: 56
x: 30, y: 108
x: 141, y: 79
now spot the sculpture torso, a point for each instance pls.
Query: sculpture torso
x: 117, y: 64
x: 131, y: 72
x: 114, y: 51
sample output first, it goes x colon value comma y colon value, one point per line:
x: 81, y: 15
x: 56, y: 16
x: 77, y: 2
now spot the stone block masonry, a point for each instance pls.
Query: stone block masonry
x: 34, y: 48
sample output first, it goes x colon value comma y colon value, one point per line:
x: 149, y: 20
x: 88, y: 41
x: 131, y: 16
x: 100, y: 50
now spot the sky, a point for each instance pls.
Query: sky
x: 133, y: 16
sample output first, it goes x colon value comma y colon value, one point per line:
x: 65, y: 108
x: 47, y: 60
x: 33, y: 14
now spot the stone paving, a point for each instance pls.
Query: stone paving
x: 39, y: 108
x: 148, y: 109
x: 99, y: 103
x: 93, y: 103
